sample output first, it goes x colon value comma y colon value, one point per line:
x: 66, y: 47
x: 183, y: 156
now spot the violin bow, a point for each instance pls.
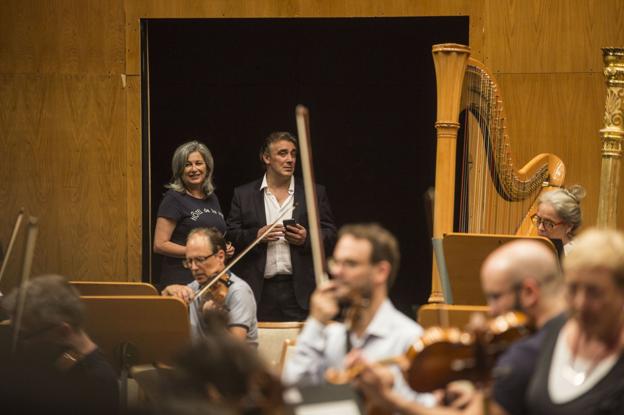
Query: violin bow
x: 29, y: 253
x: 314, y: 225
x: 242, y: 254
x: 16, y: 228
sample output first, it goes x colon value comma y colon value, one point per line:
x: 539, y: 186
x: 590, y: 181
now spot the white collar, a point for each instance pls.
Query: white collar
x: 291, y: 186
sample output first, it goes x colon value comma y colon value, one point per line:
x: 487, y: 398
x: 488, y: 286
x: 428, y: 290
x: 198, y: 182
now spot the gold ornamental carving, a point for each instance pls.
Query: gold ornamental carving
x: 612, y: 136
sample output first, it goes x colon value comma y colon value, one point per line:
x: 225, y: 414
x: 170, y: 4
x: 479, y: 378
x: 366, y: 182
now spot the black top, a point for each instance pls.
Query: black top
x: 515, y: 367
x: 189, y: 213
x: 605, y: 398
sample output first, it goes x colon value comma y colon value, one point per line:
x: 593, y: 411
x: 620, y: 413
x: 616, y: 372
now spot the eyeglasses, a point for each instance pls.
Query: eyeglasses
x: 199, y: 260
x: 333, y: 264
x: 547, y: 223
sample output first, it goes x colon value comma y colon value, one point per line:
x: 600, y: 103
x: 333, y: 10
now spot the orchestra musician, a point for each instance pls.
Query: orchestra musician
x: 57, y: 368
x: 581, y: 363
x: 559, y: 215
x: 205, y: 257
x: 364, y: 266
x: 220, y: 375
x: 522, y: 276
x: 279, y: 270
x: 189, y: 203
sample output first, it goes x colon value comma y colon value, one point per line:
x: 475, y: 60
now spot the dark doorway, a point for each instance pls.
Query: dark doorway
x: 369, y: 84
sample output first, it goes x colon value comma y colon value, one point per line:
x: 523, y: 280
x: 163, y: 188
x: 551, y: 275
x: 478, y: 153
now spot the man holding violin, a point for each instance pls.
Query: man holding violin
x: 205, y: 257
x: 364, y: 265
x: 519, y: 276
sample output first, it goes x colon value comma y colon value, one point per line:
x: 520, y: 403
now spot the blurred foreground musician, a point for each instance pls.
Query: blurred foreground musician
x: 581, y: 366
x: 219, y: 374
x: 365, y: 264
x: 519, y: 276
x: 57, y: 367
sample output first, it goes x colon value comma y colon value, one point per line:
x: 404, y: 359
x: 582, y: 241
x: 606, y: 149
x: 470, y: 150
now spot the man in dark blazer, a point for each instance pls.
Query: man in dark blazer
x: 279, y: 270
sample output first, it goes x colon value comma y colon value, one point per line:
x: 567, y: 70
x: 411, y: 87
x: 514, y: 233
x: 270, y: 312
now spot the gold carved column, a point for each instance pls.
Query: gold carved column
x: 612, y: 136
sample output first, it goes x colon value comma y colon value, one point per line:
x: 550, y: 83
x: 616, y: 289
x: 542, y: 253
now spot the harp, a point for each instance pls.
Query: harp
x: 490, y: 195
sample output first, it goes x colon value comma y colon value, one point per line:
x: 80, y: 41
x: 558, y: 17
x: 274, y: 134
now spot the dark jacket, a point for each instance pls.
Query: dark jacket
x: 247, y: 215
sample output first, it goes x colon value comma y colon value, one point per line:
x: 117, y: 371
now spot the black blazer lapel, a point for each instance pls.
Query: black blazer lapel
x: 258, y: 198
x: 300, y: 211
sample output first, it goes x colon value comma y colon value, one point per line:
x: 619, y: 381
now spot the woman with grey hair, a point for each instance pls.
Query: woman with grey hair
x: 189, y: 203
x: 559, y: 215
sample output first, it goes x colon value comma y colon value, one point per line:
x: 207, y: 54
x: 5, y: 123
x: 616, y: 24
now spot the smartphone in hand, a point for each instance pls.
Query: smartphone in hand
x: 289, y: 222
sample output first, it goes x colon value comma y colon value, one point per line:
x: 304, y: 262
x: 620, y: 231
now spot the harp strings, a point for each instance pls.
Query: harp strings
x: 492, y: 197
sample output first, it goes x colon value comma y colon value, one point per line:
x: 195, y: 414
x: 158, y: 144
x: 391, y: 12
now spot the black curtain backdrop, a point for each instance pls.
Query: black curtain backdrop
x: 369, y: 84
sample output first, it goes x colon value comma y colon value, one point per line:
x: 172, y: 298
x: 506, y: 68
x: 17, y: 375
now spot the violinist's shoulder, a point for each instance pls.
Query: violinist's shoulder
x: 398, y: 323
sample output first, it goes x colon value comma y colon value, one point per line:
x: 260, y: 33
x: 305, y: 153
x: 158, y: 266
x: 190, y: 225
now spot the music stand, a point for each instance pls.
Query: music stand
x: 132, y: 330
x: 465, y: 253
x: 108, y: 288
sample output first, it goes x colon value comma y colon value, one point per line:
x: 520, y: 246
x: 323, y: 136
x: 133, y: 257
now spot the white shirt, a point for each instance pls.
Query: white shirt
x: 278, y: 252
x: 319, y: 347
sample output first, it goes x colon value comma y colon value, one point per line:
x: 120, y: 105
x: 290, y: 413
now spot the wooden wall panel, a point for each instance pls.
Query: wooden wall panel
x: 70, y: 134
x: 545, y: 36
x: 137, y: 9
x: 560, y: 114
x: 62, y: 36
x: 66, y: 164
x: 133, y: 191
x: 63, y: 132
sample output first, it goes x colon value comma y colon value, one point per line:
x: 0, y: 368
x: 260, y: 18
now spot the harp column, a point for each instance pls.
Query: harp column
x: 450, y: 65
x: 612, y: 136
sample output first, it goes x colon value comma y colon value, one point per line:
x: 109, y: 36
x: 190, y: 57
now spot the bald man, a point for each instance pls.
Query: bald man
x: 519, y: 276
x: 523, y: 275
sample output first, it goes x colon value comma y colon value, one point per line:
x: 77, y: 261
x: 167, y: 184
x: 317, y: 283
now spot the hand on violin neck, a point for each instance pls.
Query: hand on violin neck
x: 181, y: 291
x: 296, y: 234
x: 323, y: 303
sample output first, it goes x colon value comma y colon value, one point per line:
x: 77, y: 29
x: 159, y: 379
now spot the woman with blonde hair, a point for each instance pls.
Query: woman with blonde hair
x: 189, y: 203
x: 581, y: 364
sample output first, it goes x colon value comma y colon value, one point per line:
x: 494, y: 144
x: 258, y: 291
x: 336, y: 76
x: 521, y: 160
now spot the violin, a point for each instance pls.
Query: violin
x: 443, y: 355
x: 217, y: 290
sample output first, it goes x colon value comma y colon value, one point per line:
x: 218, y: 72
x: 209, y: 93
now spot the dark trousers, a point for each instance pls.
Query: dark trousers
x: 278, y: 301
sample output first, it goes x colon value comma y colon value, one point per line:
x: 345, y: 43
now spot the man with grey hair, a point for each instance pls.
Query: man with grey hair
x: 57, y: 366
x: 279, y: 270
x: 523, y: 275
